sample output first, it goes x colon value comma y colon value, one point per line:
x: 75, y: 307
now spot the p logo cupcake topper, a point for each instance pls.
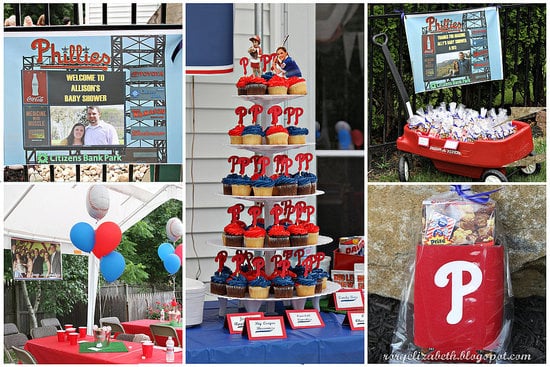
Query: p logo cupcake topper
x: 309, y: 210
x: 276, y: 211
x: 241, y: 112
x: 319, y: 256
x: 233, y: 160
x: 303, y: 159
x: 288, y: 254
x: 300, y: 208
x: 221, y: 257
x: 285, y: 265
x: 275, y: 259
x: 255, y: 110
x: 308, y: 265
x: 275, y: 111
x: 283, y: 163
x: 235, y: 212
x: 293, y: 111
x: 238, y: 259
x: 299, y: 253
x: 255, y: 212
x: 258, y: 263
x: 243, y: 162
x: 266, y: 59
x: 244, y: 62
x: 260, y: 164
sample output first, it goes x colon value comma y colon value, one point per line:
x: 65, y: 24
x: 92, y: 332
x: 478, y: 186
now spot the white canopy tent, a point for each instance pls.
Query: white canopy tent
x: 45, y: 212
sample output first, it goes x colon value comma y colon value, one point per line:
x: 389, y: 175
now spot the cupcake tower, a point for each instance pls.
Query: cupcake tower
x: 306, y: 278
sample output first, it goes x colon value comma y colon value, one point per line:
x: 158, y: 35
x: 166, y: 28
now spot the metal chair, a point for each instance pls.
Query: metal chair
x: 115, y: 327
x: 165, y: 330
x: 43, y: 331
x: 136, y: 338
x: 24, y: 356
x: 52, y: 321
x: 13, y: 338
x: 111, y: 319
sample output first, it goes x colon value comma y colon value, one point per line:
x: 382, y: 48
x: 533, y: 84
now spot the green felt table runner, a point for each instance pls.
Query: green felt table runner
x: 113, y: 347
x: 176, y: 324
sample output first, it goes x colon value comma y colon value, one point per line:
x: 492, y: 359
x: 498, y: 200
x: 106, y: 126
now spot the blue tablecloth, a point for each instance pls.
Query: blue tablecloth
x: 211, y: 343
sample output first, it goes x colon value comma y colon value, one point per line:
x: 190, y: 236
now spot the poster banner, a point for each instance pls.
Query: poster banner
x: 93, y: 96
x: 33, y: 260
x: 454, y: 48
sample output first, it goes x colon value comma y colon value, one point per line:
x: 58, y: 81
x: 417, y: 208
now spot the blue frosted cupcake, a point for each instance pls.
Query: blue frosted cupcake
x: 263, y: 186
x: 236, y: 286
x: 283, y: 287
x: 259, y: 287
x: 218, y: 281
x: 305, y: 286
x: 304, y: 184
x: 241, y: 186
x: 285, y: 186
x: 252, y: 135
x: 297, y: 135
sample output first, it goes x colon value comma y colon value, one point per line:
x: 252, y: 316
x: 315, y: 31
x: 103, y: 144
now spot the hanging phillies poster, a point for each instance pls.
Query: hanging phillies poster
x: 454, y: 48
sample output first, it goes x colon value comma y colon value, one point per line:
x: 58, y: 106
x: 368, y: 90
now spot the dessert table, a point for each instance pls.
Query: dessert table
x: 142, y: 327
x: 48, y: 350
x: 209, y: 342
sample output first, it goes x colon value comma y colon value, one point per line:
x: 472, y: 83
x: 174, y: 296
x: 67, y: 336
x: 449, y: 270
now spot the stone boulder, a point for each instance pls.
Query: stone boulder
x: 395, y: 225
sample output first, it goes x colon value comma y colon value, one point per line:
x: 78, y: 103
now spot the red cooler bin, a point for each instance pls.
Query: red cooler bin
x: 458, y: 299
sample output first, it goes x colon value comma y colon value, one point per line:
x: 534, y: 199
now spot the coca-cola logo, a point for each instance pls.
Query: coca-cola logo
x: 35, y: 99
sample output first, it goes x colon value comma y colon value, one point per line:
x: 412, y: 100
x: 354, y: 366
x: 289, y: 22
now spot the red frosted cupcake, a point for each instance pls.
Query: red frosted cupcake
x: 297, y: 85
x: 233, y: 234
x: 256, y: 86
x: 298, y: 235
x: 254, y: 237
x: 278, y: 236
x: 277, y: 85
x: 276, y: 135
x: 241, y: 84
x: 312, y: 233
x: 236, y: 134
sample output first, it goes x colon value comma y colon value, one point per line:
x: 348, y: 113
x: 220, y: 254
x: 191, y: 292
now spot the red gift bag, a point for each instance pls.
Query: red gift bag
x: 458, y: 299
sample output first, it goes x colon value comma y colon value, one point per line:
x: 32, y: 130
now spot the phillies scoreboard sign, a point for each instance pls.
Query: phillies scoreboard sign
x: 51, y: 78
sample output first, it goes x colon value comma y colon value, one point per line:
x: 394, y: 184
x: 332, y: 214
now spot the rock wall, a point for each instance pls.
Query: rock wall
x: 395, y: 224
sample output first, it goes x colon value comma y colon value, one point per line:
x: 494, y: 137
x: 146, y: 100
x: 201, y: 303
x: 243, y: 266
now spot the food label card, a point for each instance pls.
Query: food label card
x: 235, y: 321
x: 265, y: 328
x: 348, y: 299
x: 355, y: 320
x: 303, y: 319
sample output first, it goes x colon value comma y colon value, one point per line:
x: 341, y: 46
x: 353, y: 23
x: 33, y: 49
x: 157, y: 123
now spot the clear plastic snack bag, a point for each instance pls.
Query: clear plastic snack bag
x: 457, y: 306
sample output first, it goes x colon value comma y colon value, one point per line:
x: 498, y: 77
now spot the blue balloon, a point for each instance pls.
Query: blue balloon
x: 112, y: 266
x: 83, y: 236
x: 172, y: 263
x: 165, y: 249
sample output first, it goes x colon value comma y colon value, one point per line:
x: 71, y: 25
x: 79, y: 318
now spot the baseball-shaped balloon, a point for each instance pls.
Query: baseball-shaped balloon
x: 97, y: 201
x: 174, y: 229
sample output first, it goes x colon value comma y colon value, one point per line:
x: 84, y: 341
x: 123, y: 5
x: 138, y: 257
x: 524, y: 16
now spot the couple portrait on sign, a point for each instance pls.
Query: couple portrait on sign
x: 93, y: 132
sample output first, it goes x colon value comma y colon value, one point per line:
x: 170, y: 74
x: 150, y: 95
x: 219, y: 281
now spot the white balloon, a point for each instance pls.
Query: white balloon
x: 97, y: 201
x: 174, y: 229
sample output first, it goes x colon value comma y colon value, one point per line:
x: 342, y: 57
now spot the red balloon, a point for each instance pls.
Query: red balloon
x: 179, y: 251
x: 107, y: 237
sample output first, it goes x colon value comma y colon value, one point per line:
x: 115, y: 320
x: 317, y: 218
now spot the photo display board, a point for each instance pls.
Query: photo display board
x: 454, y: 48
x: 131, y: 79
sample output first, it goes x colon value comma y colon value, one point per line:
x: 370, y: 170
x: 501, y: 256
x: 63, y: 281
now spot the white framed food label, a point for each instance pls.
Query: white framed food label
x: 348, y: 299
x: 235, y: 321
x: 355, y: 320
x: 265, y: 328
x: 304, y: 319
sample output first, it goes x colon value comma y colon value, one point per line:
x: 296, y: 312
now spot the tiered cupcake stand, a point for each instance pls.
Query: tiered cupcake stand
x: 251, y: 304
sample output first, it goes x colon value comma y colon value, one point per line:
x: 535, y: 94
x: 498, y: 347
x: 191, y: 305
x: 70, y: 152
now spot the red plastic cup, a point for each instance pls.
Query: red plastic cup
x: 67, y: 326
x: 73, y: 337
x: 147, y: 349
x: 60, y: 335
x: 70, y: 330
x: 82, y: 330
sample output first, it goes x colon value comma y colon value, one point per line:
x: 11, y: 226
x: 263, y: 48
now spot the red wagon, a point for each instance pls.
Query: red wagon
x: 482, y: 159
x: 487, y: 160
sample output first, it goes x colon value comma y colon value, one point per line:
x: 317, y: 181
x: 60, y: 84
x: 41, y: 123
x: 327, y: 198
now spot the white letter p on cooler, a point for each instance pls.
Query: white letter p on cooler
x: 458, y: 288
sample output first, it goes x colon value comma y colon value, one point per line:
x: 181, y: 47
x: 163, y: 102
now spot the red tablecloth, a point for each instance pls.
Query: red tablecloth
x: 142, y: 327
x: 49, y: 351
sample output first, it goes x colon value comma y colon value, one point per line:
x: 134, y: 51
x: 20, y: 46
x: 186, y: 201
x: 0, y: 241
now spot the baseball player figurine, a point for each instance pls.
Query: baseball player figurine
x: 255, y: 51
